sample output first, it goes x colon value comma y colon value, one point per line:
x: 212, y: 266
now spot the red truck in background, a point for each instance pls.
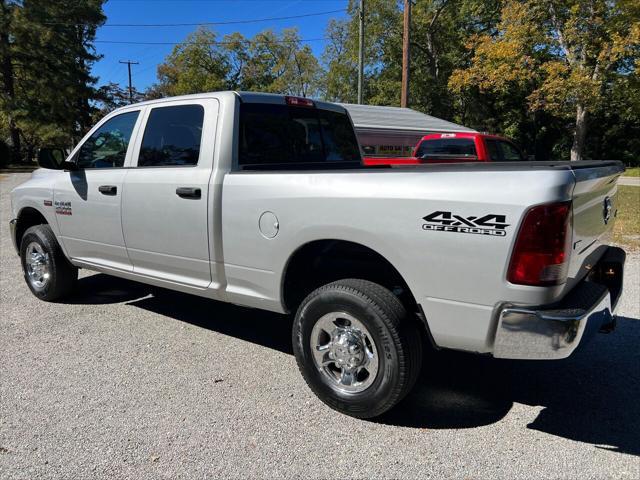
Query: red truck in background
x: 456, y: 147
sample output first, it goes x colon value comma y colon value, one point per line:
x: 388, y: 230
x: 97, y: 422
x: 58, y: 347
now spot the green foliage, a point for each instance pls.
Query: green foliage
x: 268, y: 62
x: 563, y: 55
x: 46, y: 57
x: 383, y: 46
x: 111, y: 96
x: 196, y: 65
x: 534, y: 70
x: 520, y: 68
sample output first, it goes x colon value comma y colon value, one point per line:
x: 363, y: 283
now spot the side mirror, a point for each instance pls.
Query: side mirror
x: 69, y: 164
x: 51, y: 158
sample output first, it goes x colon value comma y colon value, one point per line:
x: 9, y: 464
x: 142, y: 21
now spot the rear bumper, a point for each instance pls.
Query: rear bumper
x: 12, y: 230
x: 554, y: 331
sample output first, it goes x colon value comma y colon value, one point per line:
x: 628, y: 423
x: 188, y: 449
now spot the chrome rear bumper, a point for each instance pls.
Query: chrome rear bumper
x: 553, y: 332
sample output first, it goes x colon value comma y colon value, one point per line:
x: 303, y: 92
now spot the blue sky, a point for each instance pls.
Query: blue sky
x: 193, y: 11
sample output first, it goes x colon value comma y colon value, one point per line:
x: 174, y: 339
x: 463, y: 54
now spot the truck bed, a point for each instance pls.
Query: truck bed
x: 615, y: 165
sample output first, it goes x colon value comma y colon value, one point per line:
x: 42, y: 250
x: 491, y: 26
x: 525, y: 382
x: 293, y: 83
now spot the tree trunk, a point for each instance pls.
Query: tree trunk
x: 580, y: 134
x: 434, y: 60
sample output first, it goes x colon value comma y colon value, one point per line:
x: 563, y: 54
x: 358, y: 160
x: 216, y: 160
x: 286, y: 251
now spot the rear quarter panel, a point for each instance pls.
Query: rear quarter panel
x: 457, y: 278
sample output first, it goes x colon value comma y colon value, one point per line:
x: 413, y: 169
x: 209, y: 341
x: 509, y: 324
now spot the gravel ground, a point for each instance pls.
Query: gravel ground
x: 118, y: 383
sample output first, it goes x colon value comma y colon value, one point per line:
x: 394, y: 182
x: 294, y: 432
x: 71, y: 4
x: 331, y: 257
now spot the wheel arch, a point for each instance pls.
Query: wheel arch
x: 27, y: 217
x: 336, y: 259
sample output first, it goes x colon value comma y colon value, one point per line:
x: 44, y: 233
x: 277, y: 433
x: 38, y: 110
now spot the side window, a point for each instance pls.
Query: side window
x: 172, y: 136
x: 107, y: 146
x: 492, y: 148
x: 510, y: 153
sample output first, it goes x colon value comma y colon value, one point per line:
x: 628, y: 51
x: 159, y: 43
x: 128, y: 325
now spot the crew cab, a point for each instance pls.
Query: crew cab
x: 456, y: 147
x: 262, y: 200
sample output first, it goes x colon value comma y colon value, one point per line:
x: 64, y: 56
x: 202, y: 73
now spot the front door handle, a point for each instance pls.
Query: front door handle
x: 188, y: 192
x: 108, y: 189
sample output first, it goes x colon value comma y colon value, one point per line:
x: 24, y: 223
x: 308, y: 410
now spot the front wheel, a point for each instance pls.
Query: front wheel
x: 356, y: 347
x: 47, y: 271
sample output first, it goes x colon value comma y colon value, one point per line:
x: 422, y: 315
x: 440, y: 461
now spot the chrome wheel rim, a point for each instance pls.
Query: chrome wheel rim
x: 344, y: 352
x: 38, y: 265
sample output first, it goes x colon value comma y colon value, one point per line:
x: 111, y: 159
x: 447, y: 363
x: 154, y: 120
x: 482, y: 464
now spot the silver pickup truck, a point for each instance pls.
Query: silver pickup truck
x: 262, y: 201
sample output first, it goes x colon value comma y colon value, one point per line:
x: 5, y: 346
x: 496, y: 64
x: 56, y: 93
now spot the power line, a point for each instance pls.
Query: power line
x: 230, y: 22
x: 124, y: 42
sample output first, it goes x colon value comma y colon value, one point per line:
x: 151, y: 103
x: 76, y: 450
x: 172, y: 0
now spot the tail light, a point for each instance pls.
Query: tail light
x: 299, y: 101
x: 541, y: 254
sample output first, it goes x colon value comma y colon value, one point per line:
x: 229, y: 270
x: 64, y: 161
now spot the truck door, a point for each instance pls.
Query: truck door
x: 87, y: 201
x: 165, y: 203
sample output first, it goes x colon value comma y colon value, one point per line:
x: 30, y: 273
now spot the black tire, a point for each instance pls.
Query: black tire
x: 395, y: 334
x: 62, y: 275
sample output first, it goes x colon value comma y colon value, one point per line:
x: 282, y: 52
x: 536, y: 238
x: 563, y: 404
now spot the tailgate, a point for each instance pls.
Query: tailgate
x: 595, y: 206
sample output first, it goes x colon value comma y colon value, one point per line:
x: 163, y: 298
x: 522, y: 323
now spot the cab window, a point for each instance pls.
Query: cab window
x: 510, y: 153
x: 172, y: 136
x: 107, y: 146
x: 502, y: 151
x: 493, y: 149
x: 447, y: 146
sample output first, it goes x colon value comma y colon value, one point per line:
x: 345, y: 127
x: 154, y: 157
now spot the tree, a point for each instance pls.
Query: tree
x: 8, y: 98
x: 198, y: 64
x: 281, y: 64
x: 439, y: 31
x: 562, y: 53
x: 383, y: 47
x: 238, y: 58
x: 47, y: 55
x: 268, y: 62
x: 111, y: 96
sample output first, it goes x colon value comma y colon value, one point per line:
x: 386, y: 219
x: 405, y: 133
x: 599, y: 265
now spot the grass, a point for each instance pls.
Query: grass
x: 626, y: 230
x: 632, y: 172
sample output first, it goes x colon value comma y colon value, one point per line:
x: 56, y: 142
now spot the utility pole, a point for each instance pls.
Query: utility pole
x: 129, y: 63
x: 406, y: 55
x: 361, y: 53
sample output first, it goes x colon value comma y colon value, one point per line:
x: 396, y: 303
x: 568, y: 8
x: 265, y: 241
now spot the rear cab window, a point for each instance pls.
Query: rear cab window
x: 289, y: 137
x: 462, y: 147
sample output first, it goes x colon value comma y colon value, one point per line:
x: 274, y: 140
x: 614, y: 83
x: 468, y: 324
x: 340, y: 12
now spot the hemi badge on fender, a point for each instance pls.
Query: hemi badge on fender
x: 48, y: 203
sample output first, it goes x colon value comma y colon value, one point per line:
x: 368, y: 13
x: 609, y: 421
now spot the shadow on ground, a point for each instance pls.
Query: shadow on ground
x: 592, y: 397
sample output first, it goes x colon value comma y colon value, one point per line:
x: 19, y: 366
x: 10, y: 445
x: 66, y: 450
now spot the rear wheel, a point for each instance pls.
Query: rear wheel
x: 356, y: 347
x: 48, y: 273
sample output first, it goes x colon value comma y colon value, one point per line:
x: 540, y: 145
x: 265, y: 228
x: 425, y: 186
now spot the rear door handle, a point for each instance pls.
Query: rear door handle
x: 188, y: 192
x: 108, y: 189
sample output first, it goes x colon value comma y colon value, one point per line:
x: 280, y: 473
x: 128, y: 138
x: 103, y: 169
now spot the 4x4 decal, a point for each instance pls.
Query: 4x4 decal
x: 490, y: 224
